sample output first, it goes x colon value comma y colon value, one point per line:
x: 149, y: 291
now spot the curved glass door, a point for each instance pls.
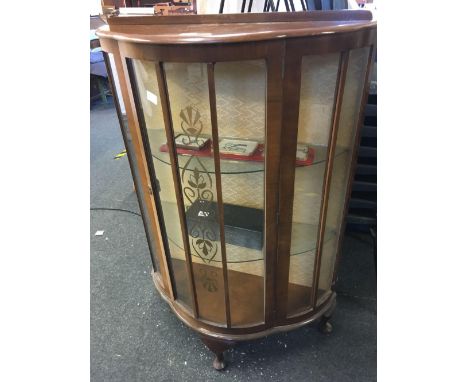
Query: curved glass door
x: 148, y: 101
x: 330, y: 99
x: 206, y: 138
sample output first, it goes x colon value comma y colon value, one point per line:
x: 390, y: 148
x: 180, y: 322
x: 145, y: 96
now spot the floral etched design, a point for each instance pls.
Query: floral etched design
x: 198, y: 192
x: 191, y: 124
x: 209, y: 282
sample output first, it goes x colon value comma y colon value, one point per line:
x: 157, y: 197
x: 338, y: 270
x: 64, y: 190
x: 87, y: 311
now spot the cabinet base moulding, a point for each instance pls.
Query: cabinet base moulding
x: 217, y: 338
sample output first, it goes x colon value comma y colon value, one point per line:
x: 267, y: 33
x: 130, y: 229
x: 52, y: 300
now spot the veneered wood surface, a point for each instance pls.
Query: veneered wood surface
x: 291, y: 97
x: 271, y: 180
x: 246, y: 294
x: 242, y: 333
x: 209, y: 29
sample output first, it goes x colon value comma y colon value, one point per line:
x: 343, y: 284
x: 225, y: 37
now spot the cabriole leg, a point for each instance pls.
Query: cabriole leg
x: 217, y: 347
x: 324, y: 325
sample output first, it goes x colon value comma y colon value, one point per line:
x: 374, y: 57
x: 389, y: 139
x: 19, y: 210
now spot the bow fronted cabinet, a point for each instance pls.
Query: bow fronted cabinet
x: 241, y: 132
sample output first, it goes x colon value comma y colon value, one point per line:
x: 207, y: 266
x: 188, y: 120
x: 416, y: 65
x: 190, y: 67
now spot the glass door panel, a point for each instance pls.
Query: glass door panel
x: 241, y: 107
x: 318, y: 85
x: 150, y: 103
x: 132, y: 156
x: 347, y: 129
x: 187, y: 86
x: 240, y: 91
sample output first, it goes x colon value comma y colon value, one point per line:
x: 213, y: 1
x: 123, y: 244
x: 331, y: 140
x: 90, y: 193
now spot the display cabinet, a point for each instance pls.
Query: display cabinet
x: 241, y: 133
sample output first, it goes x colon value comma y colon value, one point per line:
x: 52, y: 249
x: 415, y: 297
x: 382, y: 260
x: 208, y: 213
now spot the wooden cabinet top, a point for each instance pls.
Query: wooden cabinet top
x: 232, y: 28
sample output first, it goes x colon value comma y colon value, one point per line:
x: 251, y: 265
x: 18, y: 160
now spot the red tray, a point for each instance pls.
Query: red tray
x: 257, y: 155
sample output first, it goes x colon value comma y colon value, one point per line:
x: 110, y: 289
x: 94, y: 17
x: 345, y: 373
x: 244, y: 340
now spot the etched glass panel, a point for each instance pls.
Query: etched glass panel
x: 187, y: 85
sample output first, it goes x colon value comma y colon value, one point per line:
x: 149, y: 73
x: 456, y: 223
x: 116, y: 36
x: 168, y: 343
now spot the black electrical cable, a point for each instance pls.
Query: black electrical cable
x: 114, y: 209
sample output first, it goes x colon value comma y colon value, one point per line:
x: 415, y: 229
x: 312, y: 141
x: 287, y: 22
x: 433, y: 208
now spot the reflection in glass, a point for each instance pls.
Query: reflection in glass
x: 347, y: 129
x: 241, y: 106
x: 318, y: 85
x: 148, y: 90
x: 120, y: 108
x: 187, y: 87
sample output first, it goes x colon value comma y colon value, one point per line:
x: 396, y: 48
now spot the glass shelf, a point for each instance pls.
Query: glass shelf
x: 304, y: 237
x: 228, y: 166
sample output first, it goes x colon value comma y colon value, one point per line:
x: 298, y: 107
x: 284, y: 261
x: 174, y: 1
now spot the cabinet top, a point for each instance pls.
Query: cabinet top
x: 232, y: 28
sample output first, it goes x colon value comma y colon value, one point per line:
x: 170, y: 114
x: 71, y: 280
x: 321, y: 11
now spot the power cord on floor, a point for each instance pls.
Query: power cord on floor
x: 114, y: 209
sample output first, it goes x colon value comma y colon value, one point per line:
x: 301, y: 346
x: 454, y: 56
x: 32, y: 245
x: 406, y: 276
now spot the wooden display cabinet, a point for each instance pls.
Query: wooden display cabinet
x: 243, y: 248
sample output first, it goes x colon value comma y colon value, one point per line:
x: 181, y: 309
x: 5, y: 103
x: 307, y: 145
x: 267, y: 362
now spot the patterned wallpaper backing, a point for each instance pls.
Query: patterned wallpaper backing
x: 241, y: 109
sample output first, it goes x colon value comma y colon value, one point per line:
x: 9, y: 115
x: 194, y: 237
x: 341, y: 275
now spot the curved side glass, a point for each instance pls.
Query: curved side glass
x: 318, y: 85
x: 120, y: 108
x: 348, y: 125
x: 150, y: 103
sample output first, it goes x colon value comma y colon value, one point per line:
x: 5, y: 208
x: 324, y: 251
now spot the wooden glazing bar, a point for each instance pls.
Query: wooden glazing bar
x: 339, y: 91
x: 141, y: 165
x: 219, y: 192
x: 290, y: 118
x: 357, y: 141
x: 274, y: 98
x: 166, y: 109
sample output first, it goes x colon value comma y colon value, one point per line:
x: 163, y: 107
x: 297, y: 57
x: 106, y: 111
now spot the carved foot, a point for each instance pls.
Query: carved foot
x: 325, y: 326
x: 218, y: 362
x: 217, y: 347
